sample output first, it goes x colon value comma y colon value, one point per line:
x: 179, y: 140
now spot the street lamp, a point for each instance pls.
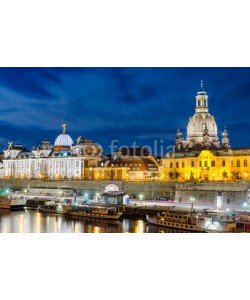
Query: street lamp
x: 192, y: 199
x: 141, y: 196
x: 75, y: 198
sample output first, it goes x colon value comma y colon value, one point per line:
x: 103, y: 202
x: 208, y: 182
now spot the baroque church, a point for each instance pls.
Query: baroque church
x: 203, y: 156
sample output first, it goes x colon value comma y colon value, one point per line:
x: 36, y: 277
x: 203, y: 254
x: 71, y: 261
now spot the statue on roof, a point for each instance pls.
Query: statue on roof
x: 78, y: 141
x: 64, y: 126
x: 10, y: 144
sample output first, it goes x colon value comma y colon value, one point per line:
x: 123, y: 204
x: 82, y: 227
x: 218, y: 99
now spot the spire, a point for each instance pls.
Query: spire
x: 178, y: 140
x: 225, y: 139
x: 201, y: 89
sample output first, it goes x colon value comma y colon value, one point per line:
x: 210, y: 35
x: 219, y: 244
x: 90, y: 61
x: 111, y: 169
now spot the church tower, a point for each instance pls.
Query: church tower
x: 201, y: 100
x: 201, y: 121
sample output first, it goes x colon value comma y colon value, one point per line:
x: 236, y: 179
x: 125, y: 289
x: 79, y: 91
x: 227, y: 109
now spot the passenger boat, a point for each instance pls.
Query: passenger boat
x: 51, y: 207
x: 100, y: 212
x: 192, y: 222
x: 11, y: 203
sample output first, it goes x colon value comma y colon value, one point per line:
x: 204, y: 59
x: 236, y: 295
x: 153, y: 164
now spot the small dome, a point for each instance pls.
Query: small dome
x: 64, y: 140
x: 111, y: 188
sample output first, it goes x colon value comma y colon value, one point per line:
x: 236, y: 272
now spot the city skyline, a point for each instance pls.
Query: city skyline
x: 130, y: 104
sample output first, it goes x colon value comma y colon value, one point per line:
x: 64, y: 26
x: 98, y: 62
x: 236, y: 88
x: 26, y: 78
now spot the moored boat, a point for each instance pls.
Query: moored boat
x: 100, y: 212
x: 192, y: 222
x: 11, y: 203
x: 51, y: 207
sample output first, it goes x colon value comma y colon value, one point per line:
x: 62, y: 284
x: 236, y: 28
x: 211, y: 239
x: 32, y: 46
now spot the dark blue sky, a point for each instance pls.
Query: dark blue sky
x: 129, y: 104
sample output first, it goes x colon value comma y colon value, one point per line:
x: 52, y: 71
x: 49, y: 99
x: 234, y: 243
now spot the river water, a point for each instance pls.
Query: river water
x: 32, y: 221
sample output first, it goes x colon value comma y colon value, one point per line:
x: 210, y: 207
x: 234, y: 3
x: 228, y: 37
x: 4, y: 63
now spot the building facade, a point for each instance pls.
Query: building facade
x: 202, y: 156
x: 130, y: 164
x: 63, y: 160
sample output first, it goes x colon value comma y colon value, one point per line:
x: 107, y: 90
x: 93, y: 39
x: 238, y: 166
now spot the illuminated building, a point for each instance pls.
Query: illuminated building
x: 202, y: 157
x: 133, y: 164
x: 64, y: 160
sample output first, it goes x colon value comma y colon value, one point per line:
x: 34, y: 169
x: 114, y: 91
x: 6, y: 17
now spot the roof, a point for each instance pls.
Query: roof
x: 63, y: 139
x: 216, y: 152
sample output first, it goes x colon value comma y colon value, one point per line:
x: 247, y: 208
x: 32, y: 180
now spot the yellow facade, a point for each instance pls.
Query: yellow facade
x: 207, y: 165
x: 107, y: 173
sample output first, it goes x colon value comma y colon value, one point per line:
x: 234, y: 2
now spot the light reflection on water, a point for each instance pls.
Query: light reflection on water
x: 28, y: 221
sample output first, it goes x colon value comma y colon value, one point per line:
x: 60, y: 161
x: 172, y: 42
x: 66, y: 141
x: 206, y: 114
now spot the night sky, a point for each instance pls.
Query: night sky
x: 128, y: 104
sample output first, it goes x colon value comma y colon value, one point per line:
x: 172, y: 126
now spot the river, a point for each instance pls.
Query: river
x: 32, y: 221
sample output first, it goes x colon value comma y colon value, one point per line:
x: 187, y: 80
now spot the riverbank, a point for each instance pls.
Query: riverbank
x: 203, y: 192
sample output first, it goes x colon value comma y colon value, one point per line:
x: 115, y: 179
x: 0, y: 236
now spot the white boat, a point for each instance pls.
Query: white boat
x: 11, y: 203
x: 98, y: 212
x: 191, y: 222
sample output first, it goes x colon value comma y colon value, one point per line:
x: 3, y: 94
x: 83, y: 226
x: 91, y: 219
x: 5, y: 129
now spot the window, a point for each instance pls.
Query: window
x: 223, y: 163
x: 200, y: 164
x: 183, y: 164
x: 245, y: 163
x: 205, y: 102
x: 213, y: 163
x: 199, y: 103
x: 238, y: 163
x: 192, y: 164
x: 177, y: 164
x: 171, y: 165
x: 232, y: 163
x: 205, y: 164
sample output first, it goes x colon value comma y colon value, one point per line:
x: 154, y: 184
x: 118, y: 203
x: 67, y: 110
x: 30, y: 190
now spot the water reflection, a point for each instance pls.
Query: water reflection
x: 29, y: 221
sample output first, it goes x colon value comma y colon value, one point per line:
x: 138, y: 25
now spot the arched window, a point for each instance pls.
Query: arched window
x: 238, y: 163
x: 223, y: 163
x: 245, y: 163
x: 199, y: 103
x: 205, y: 102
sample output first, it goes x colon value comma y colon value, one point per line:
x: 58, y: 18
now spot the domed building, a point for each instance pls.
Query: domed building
x: 202, y: 128
x: 63, y: 141
x: 201, y: 156
x: 64, y: 160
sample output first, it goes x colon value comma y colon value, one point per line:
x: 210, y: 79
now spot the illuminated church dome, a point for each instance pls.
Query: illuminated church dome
x: 202, y: 126
x: 63, y: 139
